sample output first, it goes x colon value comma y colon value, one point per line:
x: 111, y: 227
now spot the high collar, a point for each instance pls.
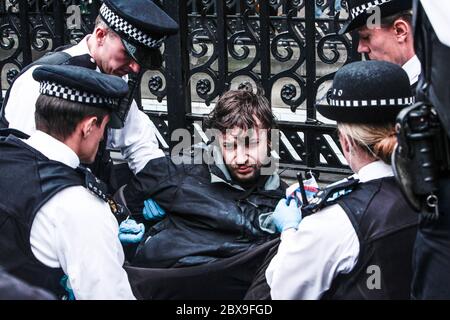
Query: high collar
x: 53, y: 149
x: 375, y: 170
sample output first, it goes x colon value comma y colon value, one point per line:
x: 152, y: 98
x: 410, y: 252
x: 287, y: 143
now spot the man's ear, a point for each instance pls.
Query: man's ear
x: 100, y: 34
x: 87, y: 125
x: 402, y: 29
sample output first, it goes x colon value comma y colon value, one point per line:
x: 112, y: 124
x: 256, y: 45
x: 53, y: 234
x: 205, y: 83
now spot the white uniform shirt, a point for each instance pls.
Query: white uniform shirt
x: 136, y: 140
x: 76, y: 231
x: 324, y: 246
x: 413, y: 69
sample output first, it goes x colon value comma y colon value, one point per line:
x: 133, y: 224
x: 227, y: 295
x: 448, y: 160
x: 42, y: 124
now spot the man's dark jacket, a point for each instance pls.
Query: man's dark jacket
x: 209, y: 216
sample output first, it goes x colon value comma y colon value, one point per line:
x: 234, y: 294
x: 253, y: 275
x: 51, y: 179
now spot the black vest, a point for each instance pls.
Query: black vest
x: 28, y: 180
x: 386, y: 227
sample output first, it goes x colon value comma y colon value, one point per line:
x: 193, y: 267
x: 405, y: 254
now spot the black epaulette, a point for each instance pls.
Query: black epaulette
x: 100, y: 189
x: 329, y: 195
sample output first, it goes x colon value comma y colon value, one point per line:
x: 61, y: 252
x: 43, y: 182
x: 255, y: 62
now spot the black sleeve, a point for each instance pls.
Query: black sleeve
x: 158, y: 180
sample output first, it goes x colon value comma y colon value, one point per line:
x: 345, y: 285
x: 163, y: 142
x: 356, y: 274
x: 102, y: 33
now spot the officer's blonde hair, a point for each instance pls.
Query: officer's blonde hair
x: 378, y: 140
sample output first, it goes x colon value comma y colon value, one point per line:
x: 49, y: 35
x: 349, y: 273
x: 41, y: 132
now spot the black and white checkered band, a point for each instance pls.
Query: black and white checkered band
x: 120, y: 25
x: 364, y: 7
x: 56, y: 90
x: 373, y: 103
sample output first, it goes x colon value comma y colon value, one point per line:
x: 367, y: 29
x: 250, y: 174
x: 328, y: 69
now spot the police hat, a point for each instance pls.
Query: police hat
x: 142, y: 26
x: 367, y: 92
x: 361, y: 10
x: 82, y: 85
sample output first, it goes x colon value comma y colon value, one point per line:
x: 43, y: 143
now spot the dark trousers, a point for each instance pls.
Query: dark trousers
x: 259, y: 289
x: 228, y: 278
x: 431, y: 258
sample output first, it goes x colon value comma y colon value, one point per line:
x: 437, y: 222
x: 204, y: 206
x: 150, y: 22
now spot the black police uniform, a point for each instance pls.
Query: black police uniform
x: 30, y: 179
x: 432, y: 248
x: 142, y: 33
x: 370, y: 92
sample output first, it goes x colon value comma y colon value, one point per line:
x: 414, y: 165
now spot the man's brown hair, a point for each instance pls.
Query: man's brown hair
x: 242, y: 109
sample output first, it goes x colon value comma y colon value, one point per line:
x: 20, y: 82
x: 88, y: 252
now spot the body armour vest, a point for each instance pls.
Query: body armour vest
x: 28, y: 181
x: 386, y: 227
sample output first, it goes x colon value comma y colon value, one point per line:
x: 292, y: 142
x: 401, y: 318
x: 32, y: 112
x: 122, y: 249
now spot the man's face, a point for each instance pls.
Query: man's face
x: 114, y: 58
x: 90, y: 143
x: 244, y: 152
x: 380, y: 44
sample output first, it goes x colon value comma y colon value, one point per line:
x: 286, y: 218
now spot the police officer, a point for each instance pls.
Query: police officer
x: 391, y: 40
x: 420, y: 182
x: 360, y: 226
x: 57, y: 231
x: 127, y: 37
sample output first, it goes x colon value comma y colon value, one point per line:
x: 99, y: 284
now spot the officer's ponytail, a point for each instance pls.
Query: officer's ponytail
x: 378, y: 140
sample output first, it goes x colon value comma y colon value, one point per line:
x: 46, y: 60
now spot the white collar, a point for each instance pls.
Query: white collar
x: 412, y: 68
x: 374, y: 170
x: 53, y: 149
x: 80, y: 49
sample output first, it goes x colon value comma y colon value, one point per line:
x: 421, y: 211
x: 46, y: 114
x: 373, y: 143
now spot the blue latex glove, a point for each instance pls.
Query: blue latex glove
x: 65, y: 283
x: 286, y: 215
x: 131, y: 232
x: 152, y: 211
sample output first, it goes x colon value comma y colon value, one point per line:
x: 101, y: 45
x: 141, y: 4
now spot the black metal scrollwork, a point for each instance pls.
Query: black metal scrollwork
x: 239, y: 43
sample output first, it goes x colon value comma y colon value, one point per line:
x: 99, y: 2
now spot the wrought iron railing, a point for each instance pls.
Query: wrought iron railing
x: 289, y: 48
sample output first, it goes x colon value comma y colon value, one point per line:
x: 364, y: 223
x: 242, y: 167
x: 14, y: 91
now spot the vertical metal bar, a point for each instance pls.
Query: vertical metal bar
x: 310, y: 43
x: 58, y: 15
x: 312, y: 154
x: 95, y: 7
x: 222, y: 44
x: 332, y: 5
x: 177, y: 69
x: 25, y: 40
x: 355, y: 55
x: 264, y: 50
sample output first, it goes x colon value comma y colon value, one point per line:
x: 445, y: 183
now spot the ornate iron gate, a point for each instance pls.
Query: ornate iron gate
x: 288, y: 47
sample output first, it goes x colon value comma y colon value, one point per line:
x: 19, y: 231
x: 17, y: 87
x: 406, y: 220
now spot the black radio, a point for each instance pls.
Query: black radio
x: 421, y: 156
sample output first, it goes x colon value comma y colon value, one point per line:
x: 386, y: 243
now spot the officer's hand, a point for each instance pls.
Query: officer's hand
x: 286, y: 215
x: 131, y: 232
x: 152, y: 211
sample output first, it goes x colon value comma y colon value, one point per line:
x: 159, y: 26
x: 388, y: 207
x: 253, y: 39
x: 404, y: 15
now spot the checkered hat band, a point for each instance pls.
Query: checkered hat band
x: 364, y: 7
x: 55, y: 90
x: 375, y: 103
x: 119, y: 24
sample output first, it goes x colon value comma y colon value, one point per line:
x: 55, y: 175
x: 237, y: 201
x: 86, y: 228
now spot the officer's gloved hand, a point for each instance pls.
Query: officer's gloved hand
x: 286, y: 215
x: 152, y: 211
x: 131, y: 232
